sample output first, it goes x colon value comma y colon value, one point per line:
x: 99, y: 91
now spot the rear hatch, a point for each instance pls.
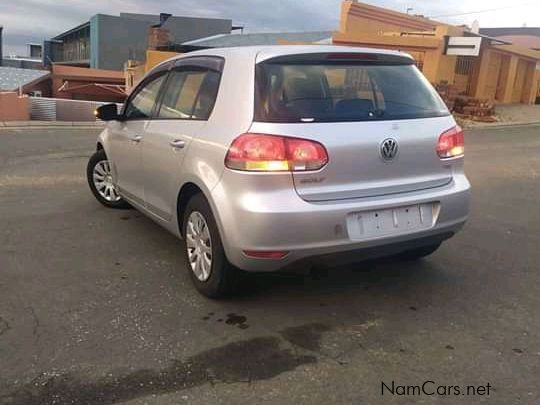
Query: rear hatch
x: 376, y: 115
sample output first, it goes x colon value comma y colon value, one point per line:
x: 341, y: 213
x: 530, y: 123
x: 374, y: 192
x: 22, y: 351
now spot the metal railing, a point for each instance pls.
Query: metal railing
x: 58, y: 109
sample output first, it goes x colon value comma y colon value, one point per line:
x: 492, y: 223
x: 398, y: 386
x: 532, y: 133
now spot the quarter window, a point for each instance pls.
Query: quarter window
x: 190, y: 94
x: 142, y: 104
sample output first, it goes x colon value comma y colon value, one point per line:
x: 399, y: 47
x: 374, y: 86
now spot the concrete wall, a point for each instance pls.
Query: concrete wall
x: 114, y: 40
x: 14, y: 108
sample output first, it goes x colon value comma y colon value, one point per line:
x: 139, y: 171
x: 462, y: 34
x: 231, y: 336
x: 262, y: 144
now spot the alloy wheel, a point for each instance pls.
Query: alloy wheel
x: 199, y: 246
x: 103, y: 181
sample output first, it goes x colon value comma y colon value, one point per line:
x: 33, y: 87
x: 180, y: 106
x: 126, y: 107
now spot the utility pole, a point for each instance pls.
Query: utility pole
x: 1, y: 53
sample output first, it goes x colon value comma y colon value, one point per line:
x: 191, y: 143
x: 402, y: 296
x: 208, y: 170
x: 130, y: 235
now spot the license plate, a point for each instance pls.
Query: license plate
x: 392, y: 221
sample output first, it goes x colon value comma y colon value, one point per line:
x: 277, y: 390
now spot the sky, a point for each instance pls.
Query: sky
x: 35, y: 20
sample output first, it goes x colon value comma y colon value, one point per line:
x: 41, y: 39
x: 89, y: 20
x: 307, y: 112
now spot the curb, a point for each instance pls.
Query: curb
x: 501, y: 124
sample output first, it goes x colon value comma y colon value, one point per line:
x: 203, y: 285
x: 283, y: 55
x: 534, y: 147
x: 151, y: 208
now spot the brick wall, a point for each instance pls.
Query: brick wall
x: 13, y: 107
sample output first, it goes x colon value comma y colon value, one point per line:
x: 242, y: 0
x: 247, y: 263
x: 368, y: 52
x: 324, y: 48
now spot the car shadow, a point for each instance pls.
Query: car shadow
x: 385, y: 274
x: 373, y: 277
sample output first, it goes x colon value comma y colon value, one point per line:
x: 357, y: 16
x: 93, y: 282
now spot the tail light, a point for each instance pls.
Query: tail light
x: 451, y: 143
x: 269, y: 153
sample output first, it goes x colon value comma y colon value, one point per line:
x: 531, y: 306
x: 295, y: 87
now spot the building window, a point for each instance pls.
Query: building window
x: 464, y: 65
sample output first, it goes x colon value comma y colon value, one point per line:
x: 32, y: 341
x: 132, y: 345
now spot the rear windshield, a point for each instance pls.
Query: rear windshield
x: 345, y: 91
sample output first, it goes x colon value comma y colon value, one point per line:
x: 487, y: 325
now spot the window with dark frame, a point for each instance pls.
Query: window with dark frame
x: 189, y: 94
x: 141, y: 105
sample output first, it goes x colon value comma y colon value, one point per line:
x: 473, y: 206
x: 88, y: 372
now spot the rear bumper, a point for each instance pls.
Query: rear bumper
x: 366, y: 253
x: 277, y: 219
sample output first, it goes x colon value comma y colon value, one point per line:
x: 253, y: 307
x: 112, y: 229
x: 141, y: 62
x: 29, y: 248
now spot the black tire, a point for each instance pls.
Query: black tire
x: 224, y: 278
x: 420, y: 252
x: 96, y: 158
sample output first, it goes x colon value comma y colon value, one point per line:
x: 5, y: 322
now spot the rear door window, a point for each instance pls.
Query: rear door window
x: 318, y: 91
x: 189, y: 94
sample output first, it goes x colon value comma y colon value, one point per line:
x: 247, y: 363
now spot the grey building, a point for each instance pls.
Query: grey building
x: 107, y: 42
x: 30, y: 61
x: 35, y: 50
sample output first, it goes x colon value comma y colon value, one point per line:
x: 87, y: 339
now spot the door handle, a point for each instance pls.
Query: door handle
x: 136, y: 138
x: 177, y: 144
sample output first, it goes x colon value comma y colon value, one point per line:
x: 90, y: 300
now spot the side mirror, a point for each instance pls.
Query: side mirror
x: 107, y: 112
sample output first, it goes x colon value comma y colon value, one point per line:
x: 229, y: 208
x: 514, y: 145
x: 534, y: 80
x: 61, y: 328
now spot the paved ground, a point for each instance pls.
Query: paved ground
x: 96, y: 306
x: 508, y: 114
x: 518, y: 113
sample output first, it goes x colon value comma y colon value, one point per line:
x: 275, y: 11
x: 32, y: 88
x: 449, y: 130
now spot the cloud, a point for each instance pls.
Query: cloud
x: 35, y: 20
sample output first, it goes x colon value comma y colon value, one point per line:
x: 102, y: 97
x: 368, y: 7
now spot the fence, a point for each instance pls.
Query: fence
x: 58, y: 109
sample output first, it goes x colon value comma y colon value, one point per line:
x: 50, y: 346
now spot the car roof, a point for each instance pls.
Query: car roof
x: 261, y: 53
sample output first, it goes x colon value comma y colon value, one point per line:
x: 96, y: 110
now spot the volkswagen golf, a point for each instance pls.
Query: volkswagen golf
x: 265, y: 158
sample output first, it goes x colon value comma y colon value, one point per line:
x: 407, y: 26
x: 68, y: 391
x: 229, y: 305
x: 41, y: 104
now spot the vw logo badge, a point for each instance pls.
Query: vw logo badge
x: 389, y: 149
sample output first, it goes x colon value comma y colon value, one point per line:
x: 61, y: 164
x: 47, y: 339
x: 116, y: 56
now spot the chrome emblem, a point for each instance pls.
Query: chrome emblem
x: 389, y: 149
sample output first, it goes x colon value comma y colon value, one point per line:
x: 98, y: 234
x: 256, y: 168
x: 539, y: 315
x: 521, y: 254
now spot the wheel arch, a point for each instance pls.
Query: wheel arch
x: 102, y: 141
x: 187, y: 191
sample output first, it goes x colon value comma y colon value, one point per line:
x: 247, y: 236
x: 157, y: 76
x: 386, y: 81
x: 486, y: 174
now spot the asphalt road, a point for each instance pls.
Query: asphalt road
x: 96, y: 306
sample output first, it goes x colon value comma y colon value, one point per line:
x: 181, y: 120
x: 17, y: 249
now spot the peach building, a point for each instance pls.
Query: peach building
x: 479, y: 65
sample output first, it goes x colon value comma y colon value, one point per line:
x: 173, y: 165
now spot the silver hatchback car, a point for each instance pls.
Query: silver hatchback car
x: 265, y: 157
